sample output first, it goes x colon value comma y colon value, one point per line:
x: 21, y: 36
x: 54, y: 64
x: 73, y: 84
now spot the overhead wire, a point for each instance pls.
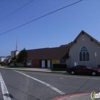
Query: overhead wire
x: 49, y: 8
x: 41, y: 17
x: 15, y: 11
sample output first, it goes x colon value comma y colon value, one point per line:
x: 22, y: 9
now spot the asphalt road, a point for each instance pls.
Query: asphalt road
x: 23, y: 85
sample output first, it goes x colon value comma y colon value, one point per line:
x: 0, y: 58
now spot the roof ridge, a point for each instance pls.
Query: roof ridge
x: 92, y: 37
x: 82, y: 32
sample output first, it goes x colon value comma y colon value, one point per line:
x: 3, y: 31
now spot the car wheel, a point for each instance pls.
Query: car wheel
x: 72, y: 72
x: 93, y: 73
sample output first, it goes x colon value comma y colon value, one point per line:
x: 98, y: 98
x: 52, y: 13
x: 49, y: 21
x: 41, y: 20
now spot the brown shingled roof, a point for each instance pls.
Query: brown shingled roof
x: 48, y: 53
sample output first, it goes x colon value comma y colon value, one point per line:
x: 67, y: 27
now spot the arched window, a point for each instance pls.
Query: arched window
x: 84, y: 54
x: 87, y: 56
x: 80, y: 56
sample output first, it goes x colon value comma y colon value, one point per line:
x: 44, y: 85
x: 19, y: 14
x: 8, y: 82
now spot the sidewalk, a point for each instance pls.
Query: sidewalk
x: 29, y: 69
x: 35, y: 70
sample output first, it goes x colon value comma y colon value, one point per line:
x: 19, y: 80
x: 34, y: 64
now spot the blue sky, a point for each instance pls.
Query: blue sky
x: 54, y: 30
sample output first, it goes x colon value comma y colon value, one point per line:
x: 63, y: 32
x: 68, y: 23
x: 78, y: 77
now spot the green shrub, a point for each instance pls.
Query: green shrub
x: 2, y: 63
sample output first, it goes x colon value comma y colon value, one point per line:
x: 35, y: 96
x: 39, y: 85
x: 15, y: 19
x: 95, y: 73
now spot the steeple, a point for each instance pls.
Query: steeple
x: 16, y: 45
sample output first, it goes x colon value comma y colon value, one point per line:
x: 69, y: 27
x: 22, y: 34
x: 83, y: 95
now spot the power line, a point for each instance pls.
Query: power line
x: 48, y: 9
x: 12, y: 13
x: 41, y: 17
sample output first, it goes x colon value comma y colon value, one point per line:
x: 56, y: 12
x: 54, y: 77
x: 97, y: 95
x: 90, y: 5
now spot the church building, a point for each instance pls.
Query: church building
x: 84, y: 51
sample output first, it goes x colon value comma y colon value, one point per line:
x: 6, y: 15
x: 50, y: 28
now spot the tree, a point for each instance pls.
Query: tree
x: 22, y: 56
x: 13, y: 60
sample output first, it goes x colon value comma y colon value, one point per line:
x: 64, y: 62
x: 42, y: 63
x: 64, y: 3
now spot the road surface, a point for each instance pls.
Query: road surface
x: 25, y: 85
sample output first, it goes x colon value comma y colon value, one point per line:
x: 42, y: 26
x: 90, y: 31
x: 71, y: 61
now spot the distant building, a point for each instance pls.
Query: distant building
x: 2, y: 58
x: 7, y: 60
x: 14, y: 53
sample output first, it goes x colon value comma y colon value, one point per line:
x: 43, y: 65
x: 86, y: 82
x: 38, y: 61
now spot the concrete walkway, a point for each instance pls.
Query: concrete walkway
x: 79, y: 96
x: 29, y: 69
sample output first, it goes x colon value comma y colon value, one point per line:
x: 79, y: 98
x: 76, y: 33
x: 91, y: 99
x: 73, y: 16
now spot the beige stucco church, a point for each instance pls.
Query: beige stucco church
x: 85, y: 50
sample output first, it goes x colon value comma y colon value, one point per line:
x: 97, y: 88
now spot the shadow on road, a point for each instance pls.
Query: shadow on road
x: 22, y: 92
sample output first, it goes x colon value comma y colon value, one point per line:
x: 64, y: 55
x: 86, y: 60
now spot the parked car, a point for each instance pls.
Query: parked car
x: 11, y: 64
x: 82, y: 69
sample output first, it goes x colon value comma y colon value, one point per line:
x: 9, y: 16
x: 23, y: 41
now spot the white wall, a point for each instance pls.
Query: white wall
x: 48, y: 63
x: 2, y: 59
x: 43, y: 63
x: 12, y: 53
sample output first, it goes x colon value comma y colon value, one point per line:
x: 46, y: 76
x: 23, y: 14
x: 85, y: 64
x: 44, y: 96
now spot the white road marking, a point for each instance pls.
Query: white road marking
x: 4, y: 89
x: 50, y: 86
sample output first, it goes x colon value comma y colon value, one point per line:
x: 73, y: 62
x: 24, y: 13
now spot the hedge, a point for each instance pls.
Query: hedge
x: 59, y: 67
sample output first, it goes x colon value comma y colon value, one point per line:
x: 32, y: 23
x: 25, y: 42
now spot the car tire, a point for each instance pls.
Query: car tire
x: 72, y: 72
x: 93, y: 73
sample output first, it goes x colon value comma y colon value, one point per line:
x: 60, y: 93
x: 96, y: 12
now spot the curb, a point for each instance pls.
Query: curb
x: 68, y: 95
